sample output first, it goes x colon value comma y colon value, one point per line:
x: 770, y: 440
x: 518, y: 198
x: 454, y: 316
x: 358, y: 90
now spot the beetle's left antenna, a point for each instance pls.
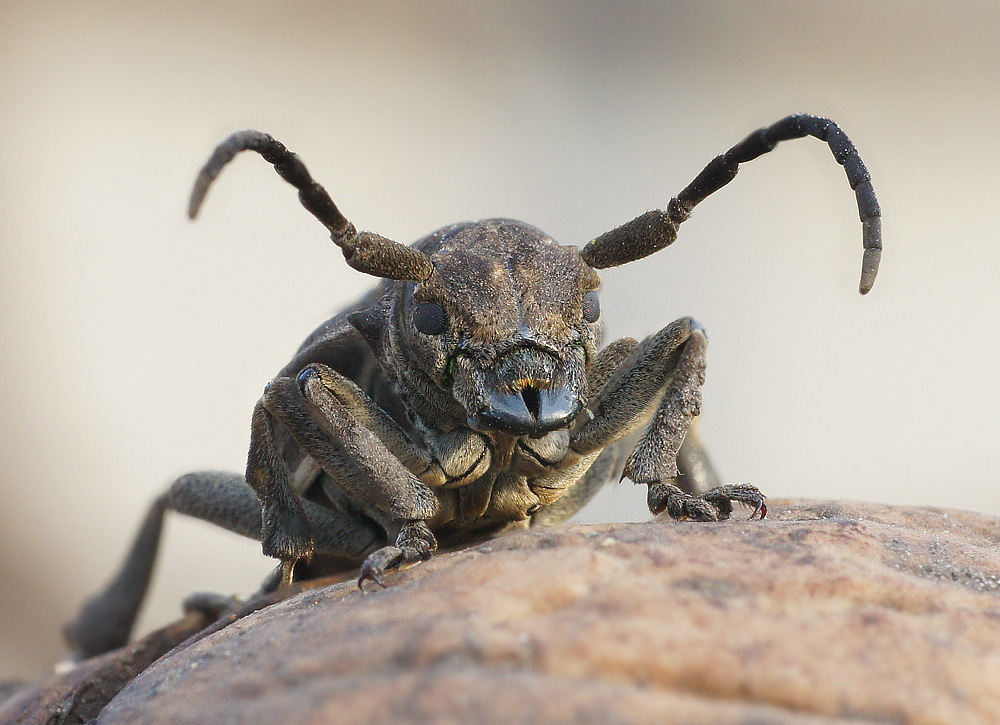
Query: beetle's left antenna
x: 655, y: 229
x: 365, y: 251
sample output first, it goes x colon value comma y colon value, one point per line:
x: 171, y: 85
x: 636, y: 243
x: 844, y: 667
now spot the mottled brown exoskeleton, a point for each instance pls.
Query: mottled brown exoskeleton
x: 467, y: 395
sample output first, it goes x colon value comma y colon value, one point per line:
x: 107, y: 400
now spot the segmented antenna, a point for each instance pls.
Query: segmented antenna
x: 655, y: 229
x: 366, y: 252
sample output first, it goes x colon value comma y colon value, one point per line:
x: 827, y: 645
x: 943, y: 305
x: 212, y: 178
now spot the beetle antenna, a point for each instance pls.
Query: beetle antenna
x: 366, y: 252
x: 656, y: 229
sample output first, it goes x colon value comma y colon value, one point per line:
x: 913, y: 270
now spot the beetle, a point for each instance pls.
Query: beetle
x: 468, y: 394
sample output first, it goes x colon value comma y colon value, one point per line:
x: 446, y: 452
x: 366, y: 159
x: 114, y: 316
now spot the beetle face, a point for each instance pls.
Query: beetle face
x: 507, y: 323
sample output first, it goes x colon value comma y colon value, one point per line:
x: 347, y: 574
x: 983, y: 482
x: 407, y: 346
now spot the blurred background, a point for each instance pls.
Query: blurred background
x: 135, y: 343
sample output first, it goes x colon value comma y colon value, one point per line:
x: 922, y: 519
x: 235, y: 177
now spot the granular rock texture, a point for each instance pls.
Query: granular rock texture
x: 79, y: 694
x: 824, y: 612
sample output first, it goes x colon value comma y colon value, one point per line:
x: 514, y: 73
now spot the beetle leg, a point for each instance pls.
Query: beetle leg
x: 284, y: 530
x: 414, y: 543
x: 455, y: 458
x: 696, y: 475
x: 367, y: 412
x: 607, y: 362
x: 713, y: 505
x: 654, y: 459
x: 105, y: 621
x: 695, y: 471
x: 225, y: 500
x: 626, y: 380
x: 662, y: 377
x: 655, y: 456
x: 350, y: 452
x: 633, y: 390
x: 354, y: 456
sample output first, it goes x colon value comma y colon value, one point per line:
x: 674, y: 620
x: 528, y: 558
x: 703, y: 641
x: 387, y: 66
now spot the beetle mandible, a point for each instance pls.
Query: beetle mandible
x: 466, y: 395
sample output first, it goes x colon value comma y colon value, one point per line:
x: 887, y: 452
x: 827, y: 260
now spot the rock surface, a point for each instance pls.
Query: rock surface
x: 79, y: 694
x: 825, y: 612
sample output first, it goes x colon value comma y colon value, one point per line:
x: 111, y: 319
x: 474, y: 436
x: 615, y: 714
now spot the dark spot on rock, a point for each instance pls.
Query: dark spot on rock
x: 714, y: 589
x: 798, y: 535
x: 872, y: 619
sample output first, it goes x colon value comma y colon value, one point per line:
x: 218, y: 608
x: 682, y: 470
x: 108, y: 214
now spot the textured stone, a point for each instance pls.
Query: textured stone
x: 825, y: 612
x: 80, y: 693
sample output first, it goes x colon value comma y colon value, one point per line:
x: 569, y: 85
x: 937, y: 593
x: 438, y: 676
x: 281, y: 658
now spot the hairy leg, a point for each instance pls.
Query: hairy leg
x: 659, y: 380
x: 105, y: 621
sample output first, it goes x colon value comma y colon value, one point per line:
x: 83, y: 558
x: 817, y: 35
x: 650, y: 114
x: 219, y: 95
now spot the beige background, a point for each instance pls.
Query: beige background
x: 134, y: 343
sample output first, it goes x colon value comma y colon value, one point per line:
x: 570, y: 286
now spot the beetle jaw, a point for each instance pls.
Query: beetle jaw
x: 525, y: 392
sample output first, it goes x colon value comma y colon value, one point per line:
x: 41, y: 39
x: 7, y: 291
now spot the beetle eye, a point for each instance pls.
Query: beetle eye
x: 429, y: 318
x: 591, y: 306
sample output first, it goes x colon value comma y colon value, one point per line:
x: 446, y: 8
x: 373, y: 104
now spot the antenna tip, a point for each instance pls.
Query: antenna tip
x: 871, y: 238
x: 869, y: 269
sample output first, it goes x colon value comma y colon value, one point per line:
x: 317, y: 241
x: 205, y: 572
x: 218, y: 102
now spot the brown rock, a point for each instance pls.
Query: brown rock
x: 825, y: 612
x: 80, y: 693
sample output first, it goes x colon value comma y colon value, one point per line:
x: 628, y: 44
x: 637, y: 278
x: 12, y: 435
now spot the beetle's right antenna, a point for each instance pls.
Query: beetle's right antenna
x: 656, y: 229
x: 366, y: 252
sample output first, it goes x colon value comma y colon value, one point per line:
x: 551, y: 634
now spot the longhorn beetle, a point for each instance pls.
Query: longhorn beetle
x: 464, y: 396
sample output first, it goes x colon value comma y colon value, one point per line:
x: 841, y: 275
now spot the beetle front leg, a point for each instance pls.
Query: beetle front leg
x: 415, y: 543
x: 654, y: 459
x: 284, y: 530
x: 449, y: 460
x: 660, y: 377
x: 355, y: 457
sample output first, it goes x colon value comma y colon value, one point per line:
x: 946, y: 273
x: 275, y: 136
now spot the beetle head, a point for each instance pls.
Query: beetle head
x: 506, y: 324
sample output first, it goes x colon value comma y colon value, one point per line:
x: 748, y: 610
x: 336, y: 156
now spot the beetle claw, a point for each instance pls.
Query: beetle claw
x: 378, y: 564
x: 713, y: 505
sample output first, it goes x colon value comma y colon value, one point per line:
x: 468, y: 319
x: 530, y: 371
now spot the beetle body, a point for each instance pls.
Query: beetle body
x: 485, y: 400
x: 466, y: 395
x: 488, y: 392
